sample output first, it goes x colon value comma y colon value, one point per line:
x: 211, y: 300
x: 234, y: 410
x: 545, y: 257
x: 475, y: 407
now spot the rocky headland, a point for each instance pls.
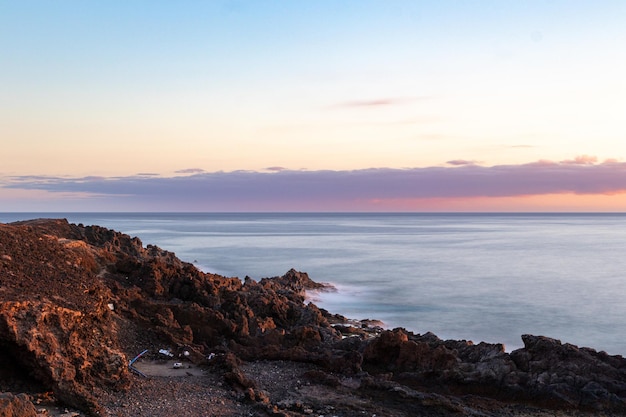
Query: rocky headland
x: 79, y: 304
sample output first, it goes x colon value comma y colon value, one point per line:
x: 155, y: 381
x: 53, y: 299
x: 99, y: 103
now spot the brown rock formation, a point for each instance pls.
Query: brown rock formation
x: 76, y: 302
x: 16, y: 406
x: 54, y: 320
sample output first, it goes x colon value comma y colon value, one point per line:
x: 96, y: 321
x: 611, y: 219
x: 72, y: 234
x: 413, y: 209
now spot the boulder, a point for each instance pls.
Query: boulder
x: 16, y: 405
x: 66, y: 350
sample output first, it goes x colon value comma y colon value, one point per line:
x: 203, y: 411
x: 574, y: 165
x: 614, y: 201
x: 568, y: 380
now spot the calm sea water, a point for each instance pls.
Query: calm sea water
x: 480, y: 277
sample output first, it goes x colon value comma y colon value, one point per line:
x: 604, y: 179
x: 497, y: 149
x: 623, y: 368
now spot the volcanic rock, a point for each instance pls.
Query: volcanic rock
x: 16, y: 405
x: 59, y: 333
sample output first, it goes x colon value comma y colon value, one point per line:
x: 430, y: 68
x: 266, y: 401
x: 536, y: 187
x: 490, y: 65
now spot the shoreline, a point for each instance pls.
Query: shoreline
x: 82, y: 300
x: 524, y: 300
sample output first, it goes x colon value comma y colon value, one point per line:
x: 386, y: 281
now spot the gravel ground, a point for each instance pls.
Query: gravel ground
x: 176, y: 396
x: 287, y: 389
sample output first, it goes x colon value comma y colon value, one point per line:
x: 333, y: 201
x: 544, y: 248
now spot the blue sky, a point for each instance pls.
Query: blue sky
x: 116, y: 89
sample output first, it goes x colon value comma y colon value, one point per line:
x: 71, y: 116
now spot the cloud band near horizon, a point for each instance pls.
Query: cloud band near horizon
x: 231, y: 190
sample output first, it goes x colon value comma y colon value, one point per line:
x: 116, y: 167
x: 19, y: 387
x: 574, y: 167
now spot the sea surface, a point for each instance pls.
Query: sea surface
x: 480, y: 277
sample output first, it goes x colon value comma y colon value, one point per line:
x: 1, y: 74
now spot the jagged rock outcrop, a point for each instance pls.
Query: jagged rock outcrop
x: 16, y: 405
x: 58, y: 283
x: 76, y: 301
x: 566, y: 374
x: 543, y: 372
x: 67, y: 350
x: 54, y: 319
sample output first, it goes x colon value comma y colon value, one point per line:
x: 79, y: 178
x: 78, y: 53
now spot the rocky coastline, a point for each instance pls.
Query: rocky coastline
x: 78, y: 304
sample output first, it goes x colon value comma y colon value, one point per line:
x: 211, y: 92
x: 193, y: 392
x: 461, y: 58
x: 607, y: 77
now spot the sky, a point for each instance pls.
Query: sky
x: 350, y: 105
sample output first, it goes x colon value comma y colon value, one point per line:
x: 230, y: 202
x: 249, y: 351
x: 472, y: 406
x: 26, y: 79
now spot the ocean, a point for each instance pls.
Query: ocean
x: 479, y: 277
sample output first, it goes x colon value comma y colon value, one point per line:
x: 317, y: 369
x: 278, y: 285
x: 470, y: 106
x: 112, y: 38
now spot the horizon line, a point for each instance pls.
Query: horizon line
x: 315, y: 212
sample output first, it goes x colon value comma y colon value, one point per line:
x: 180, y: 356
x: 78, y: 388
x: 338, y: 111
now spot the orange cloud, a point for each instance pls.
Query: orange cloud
x: 513, y: 204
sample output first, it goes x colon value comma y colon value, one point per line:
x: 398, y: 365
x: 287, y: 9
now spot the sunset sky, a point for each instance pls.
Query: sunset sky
x: 313, y: 106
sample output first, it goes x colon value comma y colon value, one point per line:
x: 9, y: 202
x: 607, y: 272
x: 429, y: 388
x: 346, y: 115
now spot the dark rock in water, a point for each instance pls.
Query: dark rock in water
x: 544, y: 372
x: 76, y: 302
x: 566, y: 374
x: 295, y: 281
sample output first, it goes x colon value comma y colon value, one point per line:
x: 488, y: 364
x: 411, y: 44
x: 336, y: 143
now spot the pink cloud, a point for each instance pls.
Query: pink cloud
x: 379, y: 102
x: 581, y: 160
x: 190, y: 171
x: 364, y: 189
x: 461, y: 162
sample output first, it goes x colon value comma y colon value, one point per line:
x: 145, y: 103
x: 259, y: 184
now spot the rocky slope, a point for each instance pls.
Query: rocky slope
x: 78, y: 302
